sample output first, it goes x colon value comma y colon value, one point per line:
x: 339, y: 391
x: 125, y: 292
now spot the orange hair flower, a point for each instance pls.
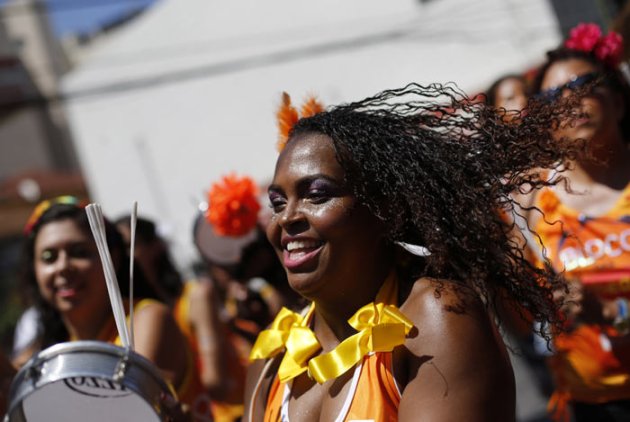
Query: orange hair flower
x: 233, y: 206
x: 311, y: 107
x: 288, y: 116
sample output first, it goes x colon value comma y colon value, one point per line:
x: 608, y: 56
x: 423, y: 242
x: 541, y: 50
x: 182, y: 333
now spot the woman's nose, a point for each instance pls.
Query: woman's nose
x: 63, y: 263
x: 291, y: 215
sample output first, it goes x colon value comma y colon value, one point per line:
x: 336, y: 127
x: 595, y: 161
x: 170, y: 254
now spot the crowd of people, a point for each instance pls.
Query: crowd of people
x: 409, y: 231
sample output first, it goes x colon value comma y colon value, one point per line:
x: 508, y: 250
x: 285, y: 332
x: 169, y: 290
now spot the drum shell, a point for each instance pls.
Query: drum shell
x: 91, y: 360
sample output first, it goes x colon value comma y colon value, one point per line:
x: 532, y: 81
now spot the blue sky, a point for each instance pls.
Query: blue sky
x: 85, y: 16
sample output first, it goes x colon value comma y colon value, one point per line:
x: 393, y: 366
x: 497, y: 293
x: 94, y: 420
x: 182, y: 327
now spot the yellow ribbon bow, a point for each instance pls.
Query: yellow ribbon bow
x: 288, y: 331
x: 381, y: 328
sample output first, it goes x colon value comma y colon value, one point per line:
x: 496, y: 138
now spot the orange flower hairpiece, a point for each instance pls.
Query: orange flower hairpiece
x: 233, y: 206
x: 288, y: 116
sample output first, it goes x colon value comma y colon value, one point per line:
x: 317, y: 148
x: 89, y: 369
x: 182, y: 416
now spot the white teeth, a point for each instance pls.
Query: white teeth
x: 301, y: 244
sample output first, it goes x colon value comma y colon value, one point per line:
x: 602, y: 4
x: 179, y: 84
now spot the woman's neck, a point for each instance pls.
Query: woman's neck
x: 609, y: 168
x: 331, y: 316
x: 86, y: 327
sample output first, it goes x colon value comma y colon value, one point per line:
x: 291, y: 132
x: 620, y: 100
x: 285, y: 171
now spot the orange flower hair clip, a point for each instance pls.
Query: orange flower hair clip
x: 233, y: 206
x: 288, y: 116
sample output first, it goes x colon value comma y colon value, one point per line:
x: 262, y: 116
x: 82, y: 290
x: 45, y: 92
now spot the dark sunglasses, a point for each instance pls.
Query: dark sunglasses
x: 576, y: 82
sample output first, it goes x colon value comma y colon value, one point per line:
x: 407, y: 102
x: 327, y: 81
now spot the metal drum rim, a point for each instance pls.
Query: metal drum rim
x: 83, y: 346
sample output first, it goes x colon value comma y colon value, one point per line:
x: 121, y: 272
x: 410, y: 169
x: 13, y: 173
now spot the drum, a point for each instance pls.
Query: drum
x: 88, y: 381
x: 220, y: 250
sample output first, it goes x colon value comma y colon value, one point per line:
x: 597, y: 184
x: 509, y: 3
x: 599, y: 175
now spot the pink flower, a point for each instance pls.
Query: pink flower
x: 609, y: 49
x: 583, y: 37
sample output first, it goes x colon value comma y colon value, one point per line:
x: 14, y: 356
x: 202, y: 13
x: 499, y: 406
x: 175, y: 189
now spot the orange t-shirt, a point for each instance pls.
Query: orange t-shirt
x: 595, y: 251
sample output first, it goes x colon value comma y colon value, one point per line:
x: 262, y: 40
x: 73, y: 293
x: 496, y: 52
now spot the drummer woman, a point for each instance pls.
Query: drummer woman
x: 385, y: 219
x: 63, y: 276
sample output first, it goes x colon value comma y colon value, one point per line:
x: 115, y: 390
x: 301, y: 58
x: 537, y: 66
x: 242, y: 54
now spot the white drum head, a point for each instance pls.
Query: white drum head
x: 87, y: 381
x: 86, y: 399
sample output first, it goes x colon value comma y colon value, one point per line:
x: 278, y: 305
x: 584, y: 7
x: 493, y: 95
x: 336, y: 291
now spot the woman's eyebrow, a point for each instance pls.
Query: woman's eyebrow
x: 307, y: 180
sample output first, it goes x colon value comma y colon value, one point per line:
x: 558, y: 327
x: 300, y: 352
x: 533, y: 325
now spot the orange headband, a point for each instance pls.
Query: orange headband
x: 288, y: 116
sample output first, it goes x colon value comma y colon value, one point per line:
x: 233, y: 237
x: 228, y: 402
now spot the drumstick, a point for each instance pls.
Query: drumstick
x: 97, y: 224
x: 132, y: 244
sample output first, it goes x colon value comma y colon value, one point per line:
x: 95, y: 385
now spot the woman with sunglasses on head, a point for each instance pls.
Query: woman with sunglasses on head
x: 586, y: 228
x: 385, y: 218
x: 63, y: 277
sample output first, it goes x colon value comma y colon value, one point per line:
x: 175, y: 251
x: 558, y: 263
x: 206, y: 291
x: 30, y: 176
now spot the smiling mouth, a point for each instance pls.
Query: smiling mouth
x: 300, y: 252
x: 66, y: 292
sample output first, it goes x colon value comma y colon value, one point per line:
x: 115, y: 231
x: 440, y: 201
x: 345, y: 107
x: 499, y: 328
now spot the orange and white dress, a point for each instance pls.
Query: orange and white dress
x: 595, y: 251
x: 373, y: 394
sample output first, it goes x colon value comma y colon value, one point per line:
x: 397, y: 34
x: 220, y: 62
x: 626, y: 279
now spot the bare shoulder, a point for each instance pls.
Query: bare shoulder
x: 154, y: 324
x: 152, y: 312
x: 158, y: 339
x: 434, y: 305
x: 455, y: 366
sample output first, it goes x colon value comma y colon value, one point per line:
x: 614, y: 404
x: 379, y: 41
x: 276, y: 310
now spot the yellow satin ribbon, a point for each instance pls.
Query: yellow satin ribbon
x: 288, y: 331
x: 381, y: 328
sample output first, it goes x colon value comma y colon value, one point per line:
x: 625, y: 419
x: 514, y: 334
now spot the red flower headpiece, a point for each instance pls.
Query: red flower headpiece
x: 233, y: 206
x: 288, y: 116
x: 588, y: 37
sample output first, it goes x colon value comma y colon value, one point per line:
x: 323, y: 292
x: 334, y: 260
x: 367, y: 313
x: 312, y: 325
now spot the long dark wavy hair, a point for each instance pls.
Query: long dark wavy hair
x: 51, y: 329
x: 438, y: 169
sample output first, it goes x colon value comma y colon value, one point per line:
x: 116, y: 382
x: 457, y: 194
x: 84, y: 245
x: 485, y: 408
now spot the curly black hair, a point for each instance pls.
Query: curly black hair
x: 51, y: 329
x: 438, y: 169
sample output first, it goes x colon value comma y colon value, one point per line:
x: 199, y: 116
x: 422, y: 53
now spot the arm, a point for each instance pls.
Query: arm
x: 158, y: 339
x: 7, y: 372
x: 456, y: 367
x: 212, y: 344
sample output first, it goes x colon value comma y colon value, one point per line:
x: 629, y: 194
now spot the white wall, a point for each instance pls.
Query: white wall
x: 188, y: 92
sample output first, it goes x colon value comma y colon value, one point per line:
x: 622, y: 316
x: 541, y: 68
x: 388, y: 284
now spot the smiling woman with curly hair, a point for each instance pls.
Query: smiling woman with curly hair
x: 388, y: 214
